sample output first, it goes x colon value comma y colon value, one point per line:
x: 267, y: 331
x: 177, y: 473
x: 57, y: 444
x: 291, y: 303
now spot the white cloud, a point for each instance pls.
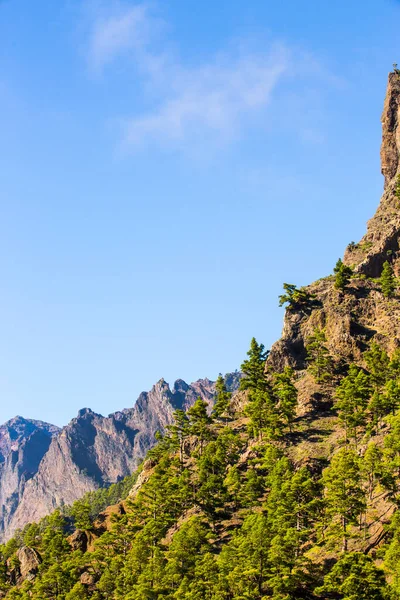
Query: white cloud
x: 208, y: 102
x: 117, y: 33
x: 191, y: 107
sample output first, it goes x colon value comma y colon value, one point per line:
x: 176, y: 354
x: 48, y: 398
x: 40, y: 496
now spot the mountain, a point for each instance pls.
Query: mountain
x: 288, y: 490
x: 43, y: 467
x: 23, y: 443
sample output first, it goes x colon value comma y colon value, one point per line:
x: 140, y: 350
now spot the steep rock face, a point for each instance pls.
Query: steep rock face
x: 23, y: 443
x: 18, y: 429
x: 381, y: 242
x: 390, y: 149
x: 29, y: 562
x: 93, y: 451
x: 352, y: 319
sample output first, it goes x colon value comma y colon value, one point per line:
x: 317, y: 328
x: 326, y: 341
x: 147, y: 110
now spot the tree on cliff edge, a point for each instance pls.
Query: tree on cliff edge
x: 342, y: 275
x: 388, y: 282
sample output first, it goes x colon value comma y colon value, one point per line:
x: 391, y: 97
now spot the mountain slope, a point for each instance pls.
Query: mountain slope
x: 23, y: 443
x: 290, y: 489
x: 90, y: 452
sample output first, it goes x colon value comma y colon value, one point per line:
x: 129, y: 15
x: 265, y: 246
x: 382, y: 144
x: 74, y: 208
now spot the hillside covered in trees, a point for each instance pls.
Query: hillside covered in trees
x: 285, y: 489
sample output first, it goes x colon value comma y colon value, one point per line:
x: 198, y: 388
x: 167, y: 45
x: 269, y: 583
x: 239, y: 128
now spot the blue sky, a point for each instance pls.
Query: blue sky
x: 166, y: 166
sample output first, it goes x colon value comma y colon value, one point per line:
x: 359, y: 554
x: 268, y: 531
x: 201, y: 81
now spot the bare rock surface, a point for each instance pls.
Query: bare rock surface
x: 29, y: 562
x: 352, y: 319
x: 381, y: 242
x: 23, y: 444
x: 50, y: 467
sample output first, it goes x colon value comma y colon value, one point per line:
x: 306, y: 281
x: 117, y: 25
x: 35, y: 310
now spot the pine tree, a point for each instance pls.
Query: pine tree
x: 232, y: 482
x: 318, y: 357
x: 199, y: 422
x: 221, y: 406
x: 355, y: 577
x: 352, y: 400
x: 179, y: 431
x: 344, y: 495
x: 377, y: 408
x: 372, y: 467
x: 388, y: 282
x: 253, y: 368
x: 392, y: 447
x: 391, y: 396
x: 81, y: 515
x: 378, y: 362
x: 293, y: 296
x: 343, y: 274
x: 264, y: 416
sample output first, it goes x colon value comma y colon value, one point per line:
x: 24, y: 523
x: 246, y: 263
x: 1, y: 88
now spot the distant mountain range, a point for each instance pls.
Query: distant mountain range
x: 43, y: 467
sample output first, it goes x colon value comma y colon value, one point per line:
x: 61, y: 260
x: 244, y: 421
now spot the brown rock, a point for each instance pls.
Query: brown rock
x: 29, y: 560
x: 381, y: 242
x: 91, y: 452
x: 390, y: 149
x: 88, y: 579
x: 78, y: 540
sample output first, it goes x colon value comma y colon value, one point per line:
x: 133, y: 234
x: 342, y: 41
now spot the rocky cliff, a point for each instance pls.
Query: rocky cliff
x: 43, y: 468
x: 352, y: 319
x: 23, y: 443
x: 381, y: 242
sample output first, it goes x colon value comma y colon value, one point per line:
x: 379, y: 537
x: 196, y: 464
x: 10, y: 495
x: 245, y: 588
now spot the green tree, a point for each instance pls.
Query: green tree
x: 372, y: 467
x: 199, y: 422
x: 355, y: 577
x: 81, y: 514
x: 344, y: 495
x: 78, y: 592
x: 233, y: 483
x: 352, y: 400
x: 264, y: 416
x: 243, y: 562
x: 391, y: 445
x: 343, y: 274
x: 253, y: 368
x: 388, y: 281
x: 318, y: 357
x: 223, y: 397
x: 378, y: 362
x: 377, y: 408
x: 392, y: 555
x: 179, y: 431
x: 293, y: 296
x: 187, y: 544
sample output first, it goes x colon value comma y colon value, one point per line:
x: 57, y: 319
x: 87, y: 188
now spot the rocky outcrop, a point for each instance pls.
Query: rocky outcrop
x: 23, y: 444
x: 390, y: 149
x: 90, y: 452
x: 381, y: 242
x: 29, y: 562
x: 352, y: 319
x: 18, y: 429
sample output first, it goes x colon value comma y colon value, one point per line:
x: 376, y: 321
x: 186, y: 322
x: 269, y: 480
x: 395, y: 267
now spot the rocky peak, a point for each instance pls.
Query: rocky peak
x: 16, y: 430
x: 362, y: 313
x: 89, y: 452
x: 381, y: 242
x: 390, y: 149
x: 86, y: 412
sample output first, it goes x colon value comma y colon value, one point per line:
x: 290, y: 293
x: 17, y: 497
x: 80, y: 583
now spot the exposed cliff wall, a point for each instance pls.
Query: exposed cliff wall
x: 353, y: 318
x: 381, y: 242
x: 42, y: 473
x: 23, y: 443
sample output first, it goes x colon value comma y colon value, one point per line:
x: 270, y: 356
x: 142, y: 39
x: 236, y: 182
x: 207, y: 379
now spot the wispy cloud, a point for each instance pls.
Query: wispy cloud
x: 111, y: 35
x: 211, y: 102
